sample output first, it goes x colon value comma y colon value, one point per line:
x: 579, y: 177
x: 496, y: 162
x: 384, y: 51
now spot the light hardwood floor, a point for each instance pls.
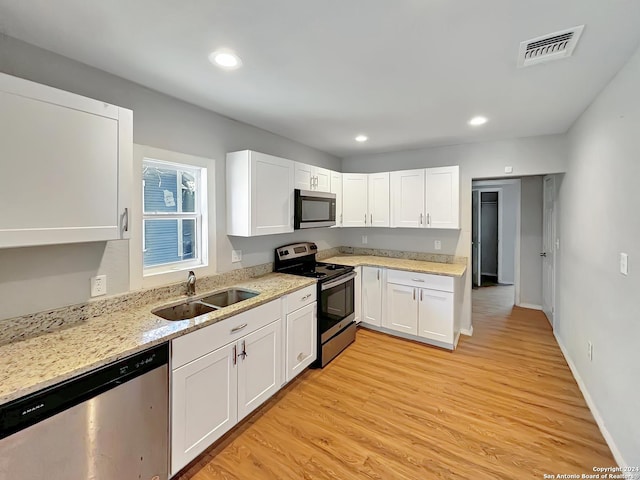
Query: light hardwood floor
x: 504, y: 405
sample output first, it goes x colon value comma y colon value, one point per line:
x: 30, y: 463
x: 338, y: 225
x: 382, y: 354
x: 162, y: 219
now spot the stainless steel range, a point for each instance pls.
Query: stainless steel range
x: 336, y: 315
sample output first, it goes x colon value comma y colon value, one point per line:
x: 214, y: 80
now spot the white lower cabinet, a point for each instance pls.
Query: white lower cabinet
x: 372, y: 295
x: 435, y: 315
x: 357, y: 296
x: 302, y: 344
x: 402, y: 309
x: 219, y: 375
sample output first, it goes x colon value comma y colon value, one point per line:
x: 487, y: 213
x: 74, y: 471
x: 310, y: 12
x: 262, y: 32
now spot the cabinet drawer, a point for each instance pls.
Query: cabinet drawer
x: 189, y: 347
x: 422, y: 280
x: 301, y: 298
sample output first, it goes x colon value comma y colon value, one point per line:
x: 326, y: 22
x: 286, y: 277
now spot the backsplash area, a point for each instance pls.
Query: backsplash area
x: 27, y: 326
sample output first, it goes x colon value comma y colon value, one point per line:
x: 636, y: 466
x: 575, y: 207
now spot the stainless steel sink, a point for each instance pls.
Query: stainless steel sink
x: 200, y: 305
x: 228, y: 297
x: 184, y: 311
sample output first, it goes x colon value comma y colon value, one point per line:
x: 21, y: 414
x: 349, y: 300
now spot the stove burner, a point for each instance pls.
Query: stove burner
x: 333, y: 267
x: 314, y: 274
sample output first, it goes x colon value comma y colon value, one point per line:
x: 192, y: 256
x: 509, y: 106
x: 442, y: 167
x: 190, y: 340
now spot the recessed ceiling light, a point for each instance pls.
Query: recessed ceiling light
x: 479, y: 120
x: 225, y: 59
x: 362, y: 138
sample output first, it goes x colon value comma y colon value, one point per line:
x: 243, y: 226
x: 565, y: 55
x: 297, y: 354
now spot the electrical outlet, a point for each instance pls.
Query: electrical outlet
x: 590, y: 351
x: 98, y: 285
x: 236, y: 256
x: 364, y: 239
x: 437, y: 245
x: 624, y: 264
x: 508, y: 169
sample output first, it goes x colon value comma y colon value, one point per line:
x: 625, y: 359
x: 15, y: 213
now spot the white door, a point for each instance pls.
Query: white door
x: 336, y: 187
x: 443, y: 197
x: 354, y: 199
x: 476, y: 225
x: 407, y: 198
x: 357, y: 297
x: 548, y: 253
x: 322, y: 179
x: 204, y: 404
x: 402, y: 309
x: 304, y: 176
x: 259, y: 360
x: 379, y: 199
x: 271, y: 194
x: 301, y: 339
x: 372, y: 295
x: 435, y: 315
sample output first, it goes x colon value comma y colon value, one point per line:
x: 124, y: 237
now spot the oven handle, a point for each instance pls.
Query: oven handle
x: 338, y: 281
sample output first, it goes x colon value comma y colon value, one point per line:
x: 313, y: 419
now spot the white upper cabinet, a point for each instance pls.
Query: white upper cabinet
x: 336, y: 187
x: 426, y: 198
x: 310, y: 177
x: 259, y: 194
x: 354, y: 199
x: 407, y: 198
x: 378, y: 200
x: 66, y: 166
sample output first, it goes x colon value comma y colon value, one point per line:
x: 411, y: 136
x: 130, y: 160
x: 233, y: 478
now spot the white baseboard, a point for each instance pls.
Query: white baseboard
x: 592, y: 406
x: 530, y: 305
x: 467, y: 331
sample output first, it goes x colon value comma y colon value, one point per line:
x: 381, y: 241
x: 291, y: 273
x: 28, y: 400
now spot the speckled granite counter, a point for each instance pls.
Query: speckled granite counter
x: 419, y: 266
x: 35, y: 363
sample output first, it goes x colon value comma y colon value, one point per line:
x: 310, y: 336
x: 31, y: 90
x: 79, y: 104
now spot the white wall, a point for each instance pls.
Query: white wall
x: 598, y: 218
x: 531, y: 241
x: 527, y: 156
x: 40, y: 278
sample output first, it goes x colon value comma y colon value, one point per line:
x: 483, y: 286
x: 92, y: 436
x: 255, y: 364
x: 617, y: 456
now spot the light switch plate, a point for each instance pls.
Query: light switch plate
x: 364, y: 239
x: 98, y: 285
x: 624, y: 263
x: 508, y: 169
x: 437, y: 245
x: 236, y: 256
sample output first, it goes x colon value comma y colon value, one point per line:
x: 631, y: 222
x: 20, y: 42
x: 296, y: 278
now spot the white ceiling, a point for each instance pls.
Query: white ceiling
x: 407, y: 73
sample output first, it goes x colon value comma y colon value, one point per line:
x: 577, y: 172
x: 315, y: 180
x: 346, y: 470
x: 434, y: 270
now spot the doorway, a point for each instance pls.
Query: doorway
x: 487, y: 240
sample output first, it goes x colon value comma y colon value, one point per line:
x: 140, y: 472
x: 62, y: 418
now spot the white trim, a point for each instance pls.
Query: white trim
x: 531, y: 306
x: 467, y: 331
x: 592, y: 406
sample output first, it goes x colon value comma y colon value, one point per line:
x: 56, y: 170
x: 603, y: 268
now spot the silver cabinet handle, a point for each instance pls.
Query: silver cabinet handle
x: 305, y: 297
x: 365, y: 218
x: 371, y: 223
x: 238, y: 328
x: 243, y: 353
x: 125, y: 220
x: 428, y: 219
x: 417, y: 280
x: 421, y: 219
x: 421, y: 294
x: 340, y: 219
x: 378, y: 274
x: 235, y: 354
x: 414, y: 293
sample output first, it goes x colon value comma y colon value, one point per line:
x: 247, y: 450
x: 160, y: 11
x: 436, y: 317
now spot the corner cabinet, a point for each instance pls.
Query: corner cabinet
x: 66, y: 166
x: 259, y: 194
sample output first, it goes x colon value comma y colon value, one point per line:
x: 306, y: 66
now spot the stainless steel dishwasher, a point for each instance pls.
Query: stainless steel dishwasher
x: 108, y: 424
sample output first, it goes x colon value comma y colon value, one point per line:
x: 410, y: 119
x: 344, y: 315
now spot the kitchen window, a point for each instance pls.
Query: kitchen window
x: 174, y: 202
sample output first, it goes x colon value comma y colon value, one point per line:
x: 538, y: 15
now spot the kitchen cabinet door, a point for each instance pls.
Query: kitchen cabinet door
x: 443, y: 197
x: 372, y: 295
x: 378, y: 199
x: 302, y: 339
x: 66, y: 169
x: 408, y: 198
x: 402, y: 309
x: 304, y: 176
x: 435, y: 315
x: 259, y: 362
x: 323, y: 179
x: 259, y: 194
x: 204, y: 404
x: 357, y: 295
x: 336, y: 187
x: 354, y: 199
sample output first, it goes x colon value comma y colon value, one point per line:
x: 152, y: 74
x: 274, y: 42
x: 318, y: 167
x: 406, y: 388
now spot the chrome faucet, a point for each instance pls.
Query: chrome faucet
x: 191, y: 283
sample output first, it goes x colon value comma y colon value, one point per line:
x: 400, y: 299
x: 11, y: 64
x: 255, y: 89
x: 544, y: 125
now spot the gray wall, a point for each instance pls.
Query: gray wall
x: 598, y: 218
x: 531, y: 241
x: 527, y: 156
x: 60, y: 274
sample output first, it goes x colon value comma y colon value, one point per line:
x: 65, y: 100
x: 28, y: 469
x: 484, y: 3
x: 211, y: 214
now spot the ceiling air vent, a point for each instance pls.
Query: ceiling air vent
x: 549, y: 47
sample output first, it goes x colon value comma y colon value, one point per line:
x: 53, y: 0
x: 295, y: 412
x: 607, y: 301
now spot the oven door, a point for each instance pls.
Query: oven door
x: 336, y: 306
x: 314, y: 209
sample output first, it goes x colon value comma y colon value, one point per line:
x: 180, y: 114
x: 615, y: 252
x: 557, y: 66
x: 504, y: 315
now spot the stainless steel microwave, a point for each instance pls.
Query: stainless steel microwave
x: 314, y: 209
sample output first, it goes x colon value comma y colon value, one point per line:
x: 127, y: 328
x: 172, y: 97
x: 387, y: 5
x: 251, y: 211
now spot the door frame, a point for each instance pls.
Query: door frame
x: 480, y: 191
x: 554, y: 216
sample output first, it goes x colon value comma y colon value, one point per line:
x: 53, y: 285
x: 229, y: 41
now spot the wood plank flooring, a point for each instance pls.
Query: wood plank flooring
x: 504, y: 405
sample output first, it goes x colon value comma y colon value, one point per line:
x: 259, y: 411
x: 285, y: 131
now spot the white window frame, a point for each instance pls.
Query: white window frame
x: 139, y: 277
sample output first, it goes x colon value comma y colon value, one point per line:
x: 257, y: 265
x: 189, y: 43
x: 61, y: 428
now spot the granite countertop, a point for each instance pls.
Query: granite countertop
x: 39, y: 362
x: 419, y: 266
